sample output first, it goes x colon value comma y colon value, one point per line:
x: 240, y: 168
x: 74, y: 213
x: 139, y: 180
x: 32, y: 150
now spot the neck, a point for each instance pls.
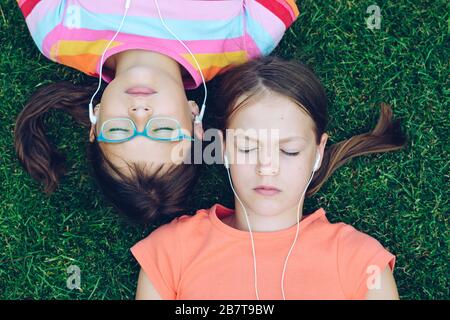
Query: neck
x: 125, y: 60
x: 260, y: 223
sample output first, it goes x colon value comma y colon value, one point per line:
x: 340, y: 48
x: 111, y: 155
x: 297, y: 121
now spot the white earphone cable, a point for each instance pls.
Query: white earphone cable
x: 296, y: 236
x: 92, y: 117
x: 251, y: 233
x: 198, y: 118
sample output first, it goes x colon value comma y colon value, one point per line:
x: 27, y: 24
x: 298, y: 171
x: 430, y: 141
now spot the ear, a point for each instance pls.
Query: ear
x: 198, y: 127
x: 93, y: 126
x: 194, y: 107
x: 321, y: 147
x: 198, y: 131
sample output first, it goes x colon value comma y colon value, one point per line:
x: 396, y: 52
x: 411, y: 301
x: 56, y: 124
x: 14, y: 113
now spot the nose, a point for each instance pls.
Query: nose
x: 140, y: 112
x: 268, y: 163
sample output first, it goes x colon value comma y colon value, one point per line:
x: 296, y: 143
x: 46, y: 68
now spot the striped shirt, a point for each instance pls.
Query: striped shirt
x: 219, y: 33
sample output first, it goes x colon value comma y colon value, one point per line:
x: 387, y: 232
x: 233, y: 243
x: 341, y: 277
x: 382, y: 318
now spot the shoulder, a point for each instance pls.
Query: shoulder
x: 350, y: 245
x: 266, y: 23
x: 361, y: 258
x: 190, y: 224
x: 182, y: 226
x: 346, y: 236
x: 286, y: 11
x: 40, y: 8
x: 172, y: 243
x: 43, y: 18
x: 350, y: 238
x: 339, y: 232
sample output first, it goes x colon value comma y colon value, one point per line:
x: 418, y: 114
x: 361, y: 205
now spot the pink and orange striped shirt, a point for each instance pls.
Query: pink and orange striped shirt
x: 219, y: 33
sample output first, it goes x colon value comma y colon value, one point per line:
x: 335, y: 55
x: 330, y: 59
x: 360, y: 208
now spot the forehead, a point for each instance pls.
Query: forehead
x: 272, y: 111
x: 146, y: 152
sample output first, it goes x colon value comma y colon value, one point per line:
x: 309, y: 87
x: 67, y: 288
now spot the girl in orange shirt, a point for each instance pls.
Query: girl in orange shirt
x: 273, y: 131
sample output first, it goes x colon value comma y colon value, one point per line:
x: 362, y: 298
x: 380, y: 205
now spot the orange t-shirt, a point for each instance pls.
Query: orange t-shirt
x: 199, y: 257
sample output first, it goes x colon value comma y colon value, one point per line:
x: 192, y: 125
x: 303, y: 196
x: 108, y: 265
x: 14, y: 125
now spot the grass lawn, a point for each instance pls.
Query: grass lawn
x: 399, y: 198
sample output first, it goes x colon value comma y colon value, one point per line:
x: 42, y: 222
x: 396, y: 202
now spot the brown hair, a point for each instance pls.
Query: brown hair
x: 297, y: 82
x: 142, y: 197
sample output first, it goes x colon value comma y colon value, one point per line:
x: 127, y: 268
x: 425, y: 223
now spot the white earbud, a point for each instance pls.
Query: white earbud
x: 92, y: 116
x: 225, y: 162
x: 317, y: 163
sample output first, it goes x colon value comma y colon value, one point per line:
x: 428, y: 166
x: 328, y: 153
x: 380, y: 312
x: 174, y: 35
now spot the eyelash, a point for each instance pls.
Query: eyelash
x: 291, y: 154
x: 118, y: 129
x: 163, y: 128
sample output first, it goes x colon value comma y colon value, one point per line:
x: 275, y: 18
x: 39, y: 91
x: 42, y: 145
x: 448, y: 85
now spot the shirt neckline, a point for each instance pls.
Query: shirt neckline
x: 191, y: 82
x: 224, y: 211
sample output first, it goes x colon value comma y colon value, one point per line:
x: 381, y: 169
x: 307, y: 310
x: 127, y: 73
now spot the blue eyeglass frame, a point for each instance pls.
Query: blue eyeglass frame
x: 181, y: 135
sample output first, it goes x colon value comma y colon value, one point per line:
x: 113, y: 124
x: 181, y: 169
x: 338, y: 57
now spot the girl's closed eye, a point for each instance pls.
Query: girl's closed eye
x: 247, y: 150
x: 286, y: 152
x: 290, y: 153
x: 163, y: 129
x: 118, y: 129
x: 291, y: 148
x: 247, y: 146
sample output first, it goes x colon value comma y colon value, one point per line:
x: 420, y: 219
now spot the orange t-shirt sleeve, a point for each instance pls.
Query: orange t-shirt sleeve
x: 158, y: 255
x: 360, y: 258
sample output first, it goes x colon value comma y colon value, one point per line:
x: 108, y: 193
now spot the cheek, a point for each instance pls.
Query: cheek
x: 112, y: 101
x: 179, y: 152
x: 242, y: 176
x: 173, y: 105
x: 294, y: 172
x: 245, y: 159
x: 187, y: 121
x: 294, y: 165
x: 110, y: 91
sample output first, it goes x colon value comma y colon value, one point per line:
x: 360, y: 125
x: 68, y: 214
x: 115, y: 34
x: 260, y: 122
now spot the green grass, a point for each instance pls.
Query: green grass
x: 400, y: 198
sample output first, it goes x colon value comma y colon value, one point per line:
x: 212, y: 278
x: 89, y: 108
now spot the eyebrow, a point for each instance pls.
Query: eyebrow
x: 286, y: 139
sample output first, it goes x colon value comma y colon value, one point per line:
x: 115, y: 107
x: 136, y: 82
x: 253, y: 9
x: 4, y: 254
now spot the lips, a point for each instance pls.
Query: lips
x: 267, y: 190
x: 140, y: 91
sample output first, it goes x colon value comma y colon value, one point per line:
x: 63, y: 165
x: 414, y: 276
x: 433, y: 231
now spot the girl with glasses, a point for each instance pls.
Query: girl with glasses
x: 149, y: 54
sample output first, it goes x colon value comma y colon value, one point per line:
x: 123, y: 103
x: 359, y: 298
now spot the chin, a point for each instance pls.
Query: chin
x: 265, y: 207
